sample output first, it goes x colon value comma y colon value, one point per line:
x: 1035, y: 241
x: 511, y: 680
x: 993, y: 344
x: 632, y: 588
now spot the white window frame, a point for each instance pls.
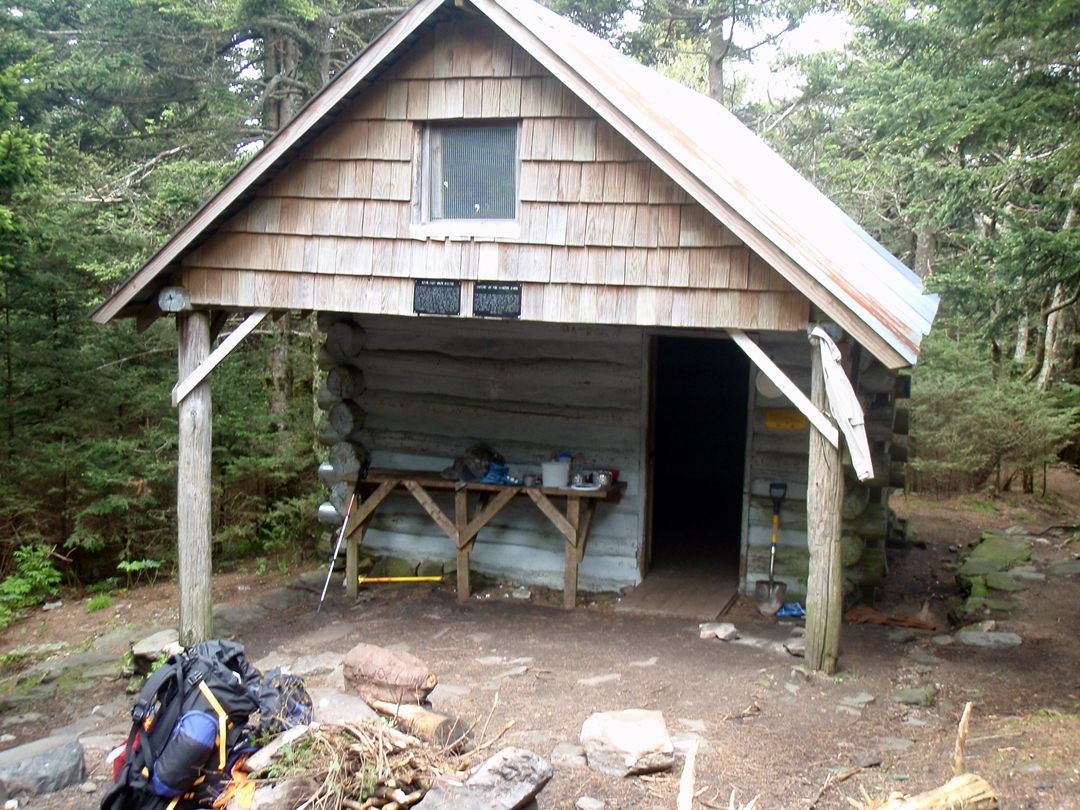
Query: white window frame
x: 423, y: 227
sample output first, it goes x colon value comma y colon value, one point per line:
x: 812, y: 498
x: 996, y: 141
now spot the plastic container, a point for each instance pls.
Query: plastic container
x: 556, y: 473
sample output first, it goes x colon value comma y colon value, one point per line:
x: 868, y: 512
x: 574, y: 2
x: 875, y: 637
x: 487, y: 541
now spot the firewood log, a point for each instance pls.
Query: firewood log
x: 969, y: 792
x: 433, y: 727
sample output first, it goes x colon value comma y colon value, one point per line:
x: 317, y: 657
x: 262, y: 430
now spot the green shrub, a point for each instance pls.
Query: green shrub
x: 99, y: 602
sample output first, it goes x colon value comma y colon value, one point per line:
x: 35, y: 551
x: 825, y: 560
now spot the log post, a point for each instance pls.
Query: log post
x: 193, y: 484
x: 824, y: 505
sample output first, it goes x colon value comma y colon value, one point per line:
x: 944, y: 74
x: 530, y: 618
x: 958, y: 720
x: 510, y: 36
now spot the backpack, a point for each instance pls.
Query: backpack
x: 284, y: 702
x: 189, y: 722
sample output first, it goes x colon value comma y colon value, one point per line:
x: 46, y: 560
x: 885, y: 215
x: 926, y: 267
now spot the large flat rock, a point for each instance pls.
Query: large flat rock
x: 626, y: 742
x: 510, y: 779
x: 42, y: 766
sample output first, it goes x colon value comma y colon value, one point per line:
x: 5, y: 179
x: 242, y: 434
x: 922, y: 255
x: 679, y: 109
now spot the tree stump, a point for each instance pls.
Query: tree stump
x: 378, y: 674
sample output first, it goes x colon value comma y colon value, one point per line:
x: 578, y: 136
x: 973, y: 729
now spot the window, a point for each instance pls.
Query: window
x: 470, y: 180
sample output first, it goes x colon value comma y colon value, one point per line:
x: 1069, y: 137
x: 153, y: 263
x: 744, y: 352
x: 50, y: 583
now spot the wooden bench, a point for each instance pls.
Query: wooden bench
x: 462, y: 529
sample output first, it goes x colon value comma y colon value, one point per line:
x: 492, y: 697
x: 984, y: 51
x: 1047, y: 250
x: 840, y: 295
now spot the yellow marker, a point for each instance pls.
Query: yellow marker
x: 400, y: 579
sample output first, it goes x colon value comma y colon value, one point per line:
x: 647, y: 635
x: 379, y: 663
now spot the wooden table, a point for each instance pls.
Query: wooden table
x: 462, y: 529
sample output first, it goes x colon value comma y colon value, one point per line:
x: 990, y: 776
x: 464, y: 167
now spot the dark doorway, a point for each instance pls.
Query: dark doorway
x: 699, y: 442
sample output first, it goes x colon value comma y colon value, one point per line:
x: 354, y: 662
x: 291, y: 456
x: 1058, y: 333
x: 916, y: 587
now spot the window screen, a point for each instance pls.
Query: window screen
x: 473, y: 172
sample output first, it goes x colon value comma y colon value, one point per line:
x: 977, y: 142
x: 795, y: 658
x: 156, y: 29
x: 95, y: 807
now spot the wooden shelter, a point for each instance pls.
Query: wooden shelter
x: 608, y: 259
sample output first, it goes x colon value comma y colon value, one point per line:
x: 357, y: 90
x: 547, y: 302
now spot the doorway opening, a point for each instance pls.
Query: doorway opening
x: 699, y: 447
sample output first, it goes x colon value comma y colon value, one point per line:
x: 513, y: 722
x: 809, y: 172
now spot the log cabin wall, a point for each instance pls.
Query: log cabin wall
x: 604, y: 236
x: 780, y: 455
x: 437, y: 385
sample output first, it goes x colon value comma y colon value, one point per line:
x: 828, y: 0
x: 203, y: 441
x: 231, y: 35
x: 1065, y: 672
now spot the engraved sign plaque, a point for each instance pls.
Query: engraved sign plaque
x: 496, y: 299
x: 436, y: 297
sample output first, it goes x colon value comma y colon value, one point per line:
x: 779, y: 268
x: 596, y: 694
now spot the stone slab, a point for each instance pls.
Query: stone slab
x: 626, y: 742
x: 42, y: 766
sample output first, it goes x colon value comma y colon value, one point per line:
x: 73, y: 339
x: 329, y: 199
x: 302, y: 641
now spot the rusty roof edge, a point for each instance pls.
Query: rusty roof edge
x: 897, y: 289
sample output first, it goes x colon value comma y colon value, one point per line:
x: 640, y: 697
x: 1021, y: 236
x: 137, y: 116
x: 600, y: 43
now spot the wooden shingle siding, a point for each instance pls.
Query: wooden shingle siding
x: 593, y: 211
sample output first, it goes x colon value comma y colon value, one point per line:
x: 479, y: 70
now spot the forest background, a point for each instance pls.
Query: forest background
x: 947, y: 129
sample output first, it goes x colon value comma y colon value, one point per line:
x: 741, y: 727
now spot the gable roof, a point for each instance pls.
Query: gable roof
x: 718, y: 161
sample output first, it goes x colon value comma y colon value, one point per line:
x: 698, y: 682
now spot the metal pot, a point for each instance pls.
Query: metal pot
x: 602, y: 478
x: 578, y: 479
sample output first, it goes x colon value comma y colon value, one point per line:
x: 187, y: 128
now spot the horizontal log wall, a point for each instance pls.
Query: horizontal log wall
x: 436, y: 386
x: 602, y: 235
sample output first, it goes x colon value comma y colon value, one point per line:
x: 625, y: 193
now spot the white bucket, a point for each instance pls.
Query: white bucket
x: 555, y: 473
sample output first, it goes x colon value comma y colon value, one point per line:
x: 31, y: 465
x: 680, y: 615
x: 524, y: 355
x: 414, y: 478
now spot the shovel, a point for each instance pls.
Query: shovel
x: 769, y: 594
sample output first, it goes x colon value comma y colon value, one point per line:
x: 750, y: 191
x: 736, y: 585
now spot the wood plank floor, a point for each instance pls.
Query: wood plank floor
x: 687, y: 590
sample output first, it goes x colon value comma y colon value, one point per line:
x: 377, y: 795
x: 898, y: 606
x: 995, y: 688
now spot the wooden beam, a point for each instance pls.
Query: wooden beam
x: 188, y: 383
x: 461, y: 519
x: 368, y: 505
x: 433, y: 509
x: 573, y: 517
x: 789, y: 389
x: 193, y: 484
x: 484, y: 515
x: 217, y: 323
x: 586, y: 525
x: 147, y: 316
x: 824, y: 504
x: 554, y: 515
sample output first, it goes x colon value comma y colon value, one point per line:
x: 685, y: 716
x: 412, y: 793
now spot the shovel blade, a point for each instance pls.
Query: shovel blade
x: 769, y: 597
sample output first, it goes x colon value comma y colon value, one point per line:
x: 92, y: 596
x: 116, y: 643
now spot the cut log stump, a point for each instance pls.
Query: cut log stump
x: 420, y: 721
x: 378, y: 674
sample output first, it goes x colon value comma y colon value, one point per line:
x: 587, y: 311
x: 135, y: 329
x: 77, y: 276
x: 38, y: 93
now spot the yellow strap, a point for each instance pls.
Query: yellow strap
x: 221, y: 718
x: 174, y: 802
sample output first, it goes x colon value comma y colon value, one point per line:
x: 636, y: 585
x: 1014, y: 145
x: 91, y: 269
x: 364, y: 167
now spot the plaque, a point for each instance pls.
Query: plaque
x: 436, y: 297
x: 496, y: 299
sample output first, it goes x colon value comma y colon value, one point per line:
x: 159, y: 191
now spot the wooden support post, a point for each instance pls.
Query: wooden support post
x: 461, y: 520
x: 352, y: 558
x: 824, y: 502
x: 193, y: 484
x: 573, y: 517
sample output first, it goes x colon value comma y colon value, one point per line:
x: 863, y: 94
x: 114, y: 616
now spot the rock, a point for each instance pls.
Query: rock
x: 1001, y: 549
x: 375, y: 673
x: 393, y: 567
x: 429, y: 568
x: 648, y: 662
x: 59, y: 603
x: 979, y: 568
x: 858, y: 701
x: 150, y: 648
x: 117, y: 641
x: 511, y: 673
x: 88, y: 787
x: 230, y: 619
x: 627, y: 742
x: 1064, y: 569
x: 511, y: 778
x: 43, y: 766
x: 447, y: 795
x: 684, y: 740
x: 280, y: 599
x: 916, y: 696
x: 920, y: 657
x: 1029, y: 574
x: 998, y: 581
x: 52, y: 669
x: 998, y: 639
x: 725, y: 631
x: 262, y: 758
x: 796, y: 645
x: 589, y: 803
x: 901, y: 635
x: 866, y: 759
x: 596, y: 680
x: 568, y: 755
x: 448, y: 691
x: 308, y: 665
x: 335, y: 707
x: 308, y: 581
x: 692, y: 724
x: 943, y: 641
x: 521, y: 593
x: 894, y: 743
x: 283, y: 796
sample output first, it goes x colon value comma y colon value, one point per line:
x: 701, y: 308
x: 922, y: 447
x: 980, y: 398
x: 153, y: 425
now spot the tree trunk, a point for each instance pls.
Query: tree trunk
x: 718, y: 51
x: 824, y: 504
x: 193, y: 484
x: 925, y: 245
x: 281, y: 373
x: 1021, y: 339
x: 1050, y: 341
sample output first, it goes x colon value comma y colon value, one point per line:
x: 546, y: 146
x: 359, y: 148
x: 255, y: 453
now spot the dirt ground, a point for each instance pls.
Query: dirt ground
x: 770, y: 730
